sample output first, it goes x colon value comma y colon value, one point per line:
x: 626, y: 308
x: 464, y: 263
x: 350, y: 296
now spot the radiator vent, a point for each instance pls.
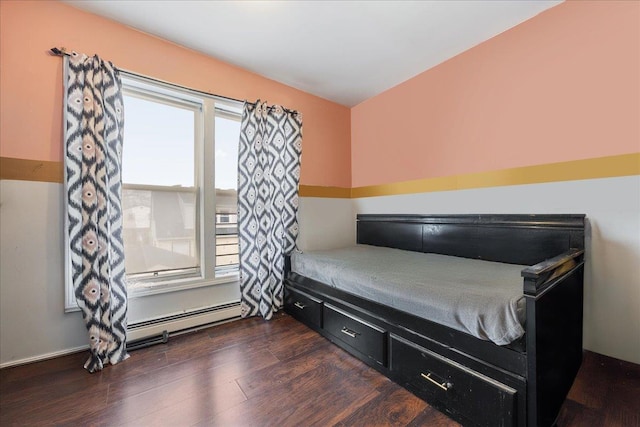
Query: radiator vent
x: 157, y: 330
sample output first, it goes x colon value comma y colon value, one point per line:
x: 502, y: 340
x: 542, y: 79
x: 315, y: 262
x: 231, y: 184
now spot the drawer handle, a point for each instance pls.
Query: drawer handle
x: 299, y: 305
x: 349, y: 332
x: 445, y: 385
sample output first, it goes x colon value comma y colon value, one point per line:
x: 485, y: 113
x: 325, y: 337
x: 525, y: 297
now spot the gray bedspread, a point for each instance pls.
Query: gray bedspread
x: 481, y: 298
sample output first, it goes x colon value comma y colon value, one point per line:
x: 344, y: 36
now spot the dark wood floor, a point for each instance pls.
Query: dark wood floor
x: 257, y: 373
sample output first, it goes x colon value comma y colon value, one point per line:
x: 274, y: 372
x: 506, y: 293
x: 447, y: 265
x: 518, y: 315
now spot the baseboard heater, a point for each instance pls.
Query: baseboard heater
x: 158, y: 330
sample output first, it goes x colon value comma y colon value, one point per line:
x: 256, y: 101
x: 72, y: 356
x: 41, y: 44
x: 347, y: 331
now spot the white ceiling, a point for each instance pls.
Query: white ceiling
x: 344, y: 51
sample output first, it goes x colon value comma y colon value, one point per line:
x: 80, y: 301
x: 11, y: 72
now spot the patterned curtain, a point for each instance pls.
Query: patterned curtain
x: 93, y: 158
x: 268, y: 176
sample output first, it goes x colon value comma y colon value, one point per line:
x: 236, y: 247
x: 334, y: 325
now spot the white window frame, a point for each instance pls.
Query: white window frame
x: 206, y: 107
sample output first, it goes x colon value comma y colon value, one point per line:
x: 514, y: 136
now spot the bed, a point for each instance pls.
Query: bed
x: 479, y: 315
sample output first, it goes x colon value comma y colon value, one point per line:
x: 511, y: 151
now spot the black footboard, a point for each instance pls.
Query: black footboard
x: 554, y: 295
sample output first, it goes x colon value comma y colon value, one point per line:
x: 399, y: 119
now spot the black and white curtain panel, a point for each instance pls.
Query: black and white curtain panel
x: 93, y: 158
x: 268, y: 177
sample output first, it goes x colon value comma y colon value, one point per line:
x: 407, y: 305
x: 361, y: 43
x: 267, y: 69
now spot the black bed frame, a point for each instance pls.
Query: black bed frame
x: 474, y: 381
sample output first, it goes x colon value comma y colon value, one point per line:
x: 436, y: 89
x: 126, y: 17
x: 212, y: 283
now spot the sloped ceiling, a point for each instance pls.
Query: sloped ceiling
x: 344, y: 51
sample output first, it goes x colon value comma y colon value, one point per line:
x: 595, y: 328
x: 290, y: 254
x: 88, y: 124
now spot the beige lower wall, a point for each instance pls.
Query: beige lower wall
x: 32, y: 317
x: 612, y: 271
x: 33, y: 322
x: 326, y: 223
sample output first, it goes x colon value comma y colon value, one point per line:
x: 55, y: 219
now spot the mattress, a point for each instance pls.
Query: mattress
x: 481, y: 298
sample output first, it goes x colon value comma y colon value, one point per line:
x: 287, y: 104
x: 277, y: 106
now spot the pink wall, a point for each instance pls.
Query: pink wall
x: 562, y: 86
x: 31, y: 84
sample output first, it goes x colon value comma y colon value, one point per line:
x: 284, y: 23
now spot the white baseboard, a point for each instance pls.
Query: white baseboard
x: 42, y: 357
x: 150, y: 328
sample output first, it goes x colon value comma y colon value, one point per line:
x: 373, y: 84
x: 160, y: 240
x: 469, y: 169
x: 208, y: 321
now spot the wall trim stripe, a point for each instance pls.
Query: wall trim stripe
x: 31, y: 170
x: 601, y: 167
x: 328, y: 192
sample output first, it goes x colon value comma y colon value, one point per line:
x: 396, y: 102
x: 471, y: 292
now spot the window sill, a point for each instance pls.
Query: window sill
x: 150, y: 288
x: 142, y: 289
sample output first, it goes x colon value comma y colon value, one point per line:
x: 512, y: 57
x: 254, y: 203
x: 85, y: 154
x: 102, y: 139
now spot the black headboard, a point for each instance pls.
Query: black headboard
x: 514, y: 239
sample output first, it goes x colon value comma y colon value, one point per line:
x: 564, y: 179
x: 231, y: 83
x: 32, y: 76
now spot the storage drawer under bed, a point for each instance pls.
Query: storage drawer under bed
x: 451, y: 387
x: 303, y: 307
x: 363, y: 337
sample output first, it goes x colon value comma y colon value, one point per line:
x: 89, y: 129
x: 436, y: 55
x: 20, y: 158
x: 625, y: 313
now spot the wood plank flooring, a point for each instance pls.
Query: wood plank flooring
x: 256, y: 373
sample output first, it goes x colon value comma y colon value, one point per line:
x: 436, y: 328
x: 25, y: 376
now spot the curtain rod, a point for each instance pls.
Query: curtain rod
x: 63, y: 52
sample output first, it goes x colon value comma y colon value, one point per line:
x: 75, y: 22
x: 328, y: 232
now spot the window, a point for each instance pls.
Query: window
x: 160, y: 188
x: 179, y: 195
x: 227, y: 134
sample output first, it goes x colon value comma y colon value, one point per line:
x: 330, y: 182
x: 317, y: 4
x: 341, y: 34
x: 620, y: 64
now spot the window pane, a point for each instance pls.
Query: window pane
x: 158, y: 146
x: 226, y: 178
x: 159, y: 194
x: 159, y: 230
